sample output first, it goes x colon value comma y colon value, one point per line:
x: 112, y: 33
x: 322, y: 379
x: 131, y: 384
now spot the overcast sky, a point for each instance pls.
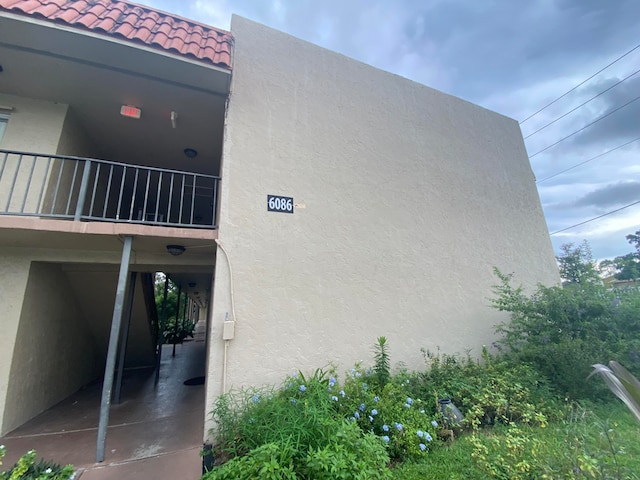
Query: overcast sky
x: 511, y: 56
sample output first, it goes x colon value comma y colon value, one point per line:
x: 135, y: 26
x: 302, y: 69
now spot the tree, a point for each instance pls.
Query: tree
x: 627, y: 267
x: 634, y: 238
x: 576, y: 264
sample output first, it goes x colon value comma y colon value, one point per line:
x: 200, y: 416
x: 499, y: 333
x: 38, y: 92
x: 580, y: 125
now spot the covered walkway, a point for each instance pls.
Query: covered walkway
x: 155, y: 432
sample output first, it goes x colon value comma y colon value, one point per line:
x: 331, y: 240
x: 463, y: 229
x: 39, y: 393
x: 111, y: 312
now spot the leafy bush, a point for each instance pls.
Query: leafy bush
x: 488, y: 391
x: 26, y: 468
x: 294, y: 430
x: 405, y: 423
x: 581, y: 446
x: 176, y: 331
x: 564, y: 330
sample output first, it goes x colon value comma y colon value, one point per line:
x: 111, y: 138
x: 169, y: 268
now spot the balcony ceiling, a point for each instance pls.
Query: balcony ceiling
x: 96, y: 75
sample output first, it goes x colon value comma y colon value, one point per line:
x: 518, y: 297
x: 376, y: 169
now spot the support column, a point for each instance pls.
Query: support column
x: 109, y: 368
x: 163, y: 323
x: 124, y: 338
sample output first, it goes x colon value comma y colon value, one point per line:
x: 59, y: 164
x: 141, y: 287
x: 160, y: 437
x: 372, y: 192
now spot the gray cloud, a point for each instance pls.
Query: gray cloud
x: 613, y: 195
x: 621, y: 124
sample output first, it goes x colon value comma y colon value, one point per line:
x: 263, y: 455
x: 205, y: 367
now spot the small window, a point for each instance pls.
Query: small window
x: 4, y: 119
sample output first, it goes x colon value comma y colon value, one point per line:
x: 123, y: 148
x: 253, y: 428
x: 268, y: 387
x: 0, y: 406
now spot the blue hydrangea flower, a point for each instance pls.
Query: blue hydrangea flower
x: 423, y: 447
x: 374, y: 412
x: 420, y: 433
x: 376, y: 399
x: 428, y: 437
x: 385, y: 428
x: 256, y: 398
x: 358, y: 374
x: 334, y: 398
x: 332, y: 382
x: 409, y: 400
x: 361, y: 407
x: 353, y: 419
x: 302, y: 388
x: 386, y: 439
x: 357, y: 415
x: 398, y: 426
x: 434, y: 423
x: 342, y: 393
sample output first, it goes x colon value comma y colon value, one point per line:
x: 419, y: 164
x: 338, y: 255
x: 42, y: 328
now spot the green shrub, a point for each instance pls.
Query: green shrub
x: 26, y: 468
x: 565, y: 330
x: 269, y: 462
x: 300, y: 411
x: 488, y: 391
x: 382, y: 365
x: 402, y: 421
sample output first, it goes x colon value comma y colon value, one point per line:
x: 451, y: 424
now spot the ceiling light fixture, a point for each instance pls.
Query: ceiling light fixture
x: 175, y: 250
x: 190, y: 152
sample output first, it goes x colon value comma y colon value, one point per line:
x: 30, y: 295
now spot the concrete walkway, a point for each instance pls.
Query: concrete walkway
x: 155, y: 432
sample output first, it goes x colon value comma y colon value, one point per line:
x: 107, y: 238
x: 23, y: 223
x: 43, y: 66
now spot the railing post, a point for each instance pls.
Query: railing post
x: 83, y: 190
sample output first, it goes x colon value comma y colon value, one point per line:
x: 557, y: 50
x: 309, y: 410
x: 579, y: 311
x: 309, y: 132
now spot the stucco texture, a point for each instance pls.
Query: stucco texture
x: 34, y: 125
x: 53, y: 355
x: 407, y: 198
x: 14, y: 272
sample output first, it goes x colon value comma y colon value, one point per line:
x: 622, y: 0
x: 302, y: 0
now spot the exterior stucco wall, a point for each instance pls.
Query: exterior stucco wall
x: 34, y: 125
x: 74, y: 139
x: 408, y: 198
x: 14, y: 272
x: 54, y: 350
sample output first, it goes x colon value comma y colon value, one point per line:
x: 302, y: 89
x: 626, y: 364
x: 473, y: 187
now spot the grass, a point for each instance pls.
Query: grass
x: 582, y: 446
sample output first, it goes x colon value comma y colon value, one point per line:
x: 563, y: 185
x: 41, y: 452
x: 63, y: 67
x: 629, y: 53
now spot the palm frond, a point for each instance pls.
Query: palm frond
x: 624, y: 385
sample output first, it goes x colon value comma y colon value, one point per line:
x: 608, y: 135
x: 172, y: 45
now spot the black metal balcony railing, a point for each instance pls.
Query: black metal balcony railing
x: 87, y: 189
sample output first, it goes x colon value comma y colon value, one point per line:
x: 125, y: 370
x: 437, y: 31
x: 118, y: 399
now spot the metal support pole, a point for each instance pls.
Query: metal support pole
x: 175, y: 321
x: 82, y: 195
x: 187, y: 302
x: 124, y: 337
x: 113, y: 347
x: 163, y: 322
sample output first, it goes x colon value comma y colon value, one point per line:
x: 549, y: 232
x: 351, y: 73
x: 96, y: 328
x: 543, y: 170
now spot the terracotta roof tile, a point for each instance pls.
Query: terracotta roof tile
x: 136, y: 23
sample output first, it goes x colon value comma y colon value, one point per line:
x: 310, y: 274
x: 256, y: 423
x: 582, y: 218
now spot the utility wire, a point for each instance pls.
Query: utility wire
x: 585, y: 127
x: 579, y: 85
x: 583, y: 104
x: 596, y: 218
x: 587, y: 161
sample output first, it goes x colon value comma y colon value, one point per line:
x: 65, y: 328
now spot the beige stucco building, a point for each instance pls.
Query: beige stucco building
x: 396, y: 201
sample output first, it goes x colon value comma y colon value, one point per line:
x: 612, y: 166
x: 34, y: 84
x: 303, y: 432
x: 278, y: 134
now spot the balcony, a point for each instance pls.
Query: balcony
x: 84, y: 189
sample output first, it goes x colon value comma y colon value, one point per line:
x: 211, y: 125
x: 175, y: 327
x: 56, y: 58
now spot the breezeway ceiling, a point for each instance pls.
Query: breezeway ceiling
x: 95, y: 76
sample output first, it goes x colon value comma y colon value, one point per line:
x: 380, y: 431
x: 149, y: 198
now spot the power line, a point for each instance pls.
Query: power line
x: 586, y: 126
x: 583, y: 104
x: 580, y: 84
x: 587, y: 161
x: 595, y: 218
